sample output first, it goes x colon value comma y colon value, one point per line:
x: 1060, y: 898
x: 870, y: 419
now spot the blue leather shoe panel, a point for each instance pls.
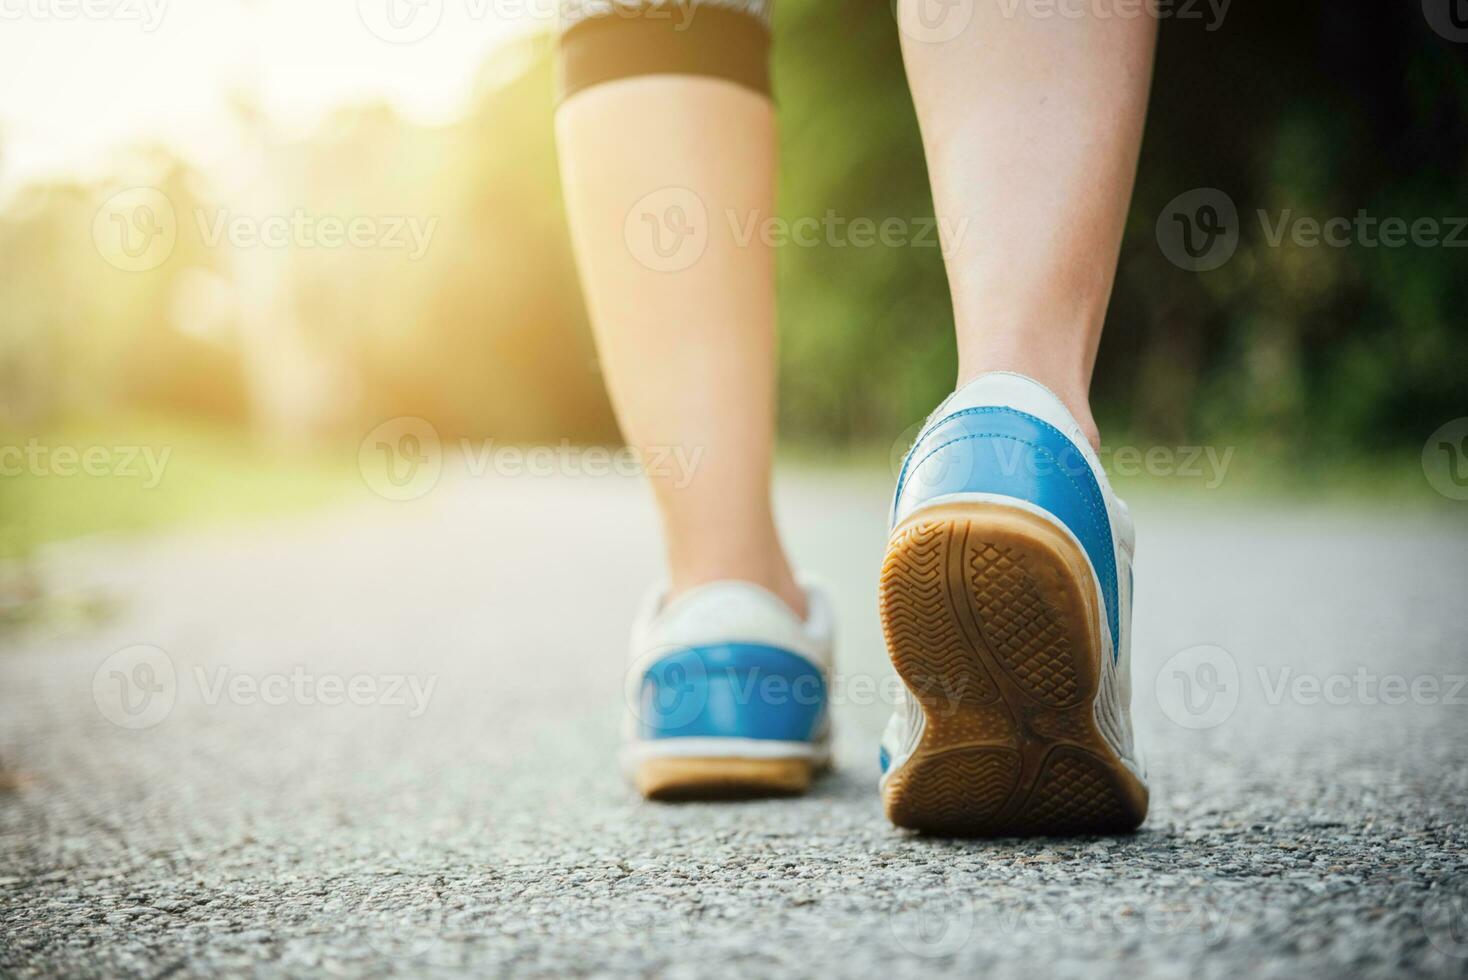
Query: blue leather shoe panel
x: 1014, y: 454
x: 738, y: 690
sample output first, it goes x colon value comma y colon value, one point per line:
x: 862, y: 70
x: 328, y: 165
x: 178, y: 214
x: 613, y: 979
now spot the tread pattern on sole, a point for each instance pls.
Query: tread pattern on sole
x: 921, y: 617
x: 985, y: 598
x: 1075, y: 793
x: 954, y: 790
x: 1021, y: 628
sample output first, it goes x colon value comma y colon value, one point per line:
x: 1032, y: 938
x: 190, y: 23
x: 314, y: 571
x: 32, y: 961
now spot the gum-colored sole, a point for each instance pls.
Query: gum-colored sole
x: 680, y: 778
x: 991, y: 619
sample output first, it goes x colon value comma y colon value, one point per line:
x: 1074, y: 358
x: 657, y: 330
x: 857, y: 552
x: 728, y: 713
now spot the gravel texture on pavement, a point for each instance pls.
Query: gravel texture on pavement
x: 382, y: 741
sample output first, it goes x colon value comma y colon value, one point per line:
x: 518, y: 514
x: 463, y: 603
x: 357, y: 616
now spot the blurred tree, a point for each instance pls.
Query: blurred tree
x: 1303, y: 110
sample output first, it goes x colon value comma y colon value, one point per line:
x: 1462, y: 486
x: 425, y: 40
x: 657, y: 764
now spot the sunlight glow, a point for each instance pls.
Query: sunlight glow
x: 84, y: 77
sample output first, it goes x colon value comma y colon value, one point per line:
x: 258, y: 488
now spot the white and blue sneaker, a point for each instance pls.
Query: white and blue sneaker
x: 1006, y: 605
x: 727, y: 693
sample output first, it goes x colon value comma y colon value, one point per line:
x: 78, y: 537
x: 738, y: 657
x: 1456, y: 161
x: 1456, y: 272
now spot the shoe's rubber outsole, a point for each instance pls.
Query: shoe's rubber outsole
x: 991, y: 619
x: 690, y: 778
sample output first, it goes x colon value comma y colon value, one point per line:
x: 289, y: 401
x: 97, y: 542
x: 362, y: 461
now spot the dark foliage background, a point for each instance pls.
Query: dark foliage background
x: 1314, y: 109
x: 1311, y: 353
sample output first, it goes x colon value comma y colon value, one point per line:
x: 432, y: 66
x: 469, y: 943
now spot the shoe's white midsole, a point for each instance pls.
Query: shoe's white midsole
x: 639, y: 750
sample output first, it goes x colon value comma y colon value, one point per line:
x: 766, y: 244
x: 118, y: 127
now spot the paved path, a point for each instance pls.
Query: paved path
x: 1302, y: 823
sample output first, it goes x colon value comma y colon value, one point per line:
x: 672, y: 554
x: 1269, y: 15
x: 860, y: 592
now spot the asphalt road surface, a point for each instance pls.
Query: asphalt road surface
x: 381, y: 741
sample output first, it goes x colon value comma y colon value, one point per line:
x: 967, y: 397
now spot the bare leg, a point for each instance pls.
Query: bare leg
x: 1031, y: 127
x: 686, y: 334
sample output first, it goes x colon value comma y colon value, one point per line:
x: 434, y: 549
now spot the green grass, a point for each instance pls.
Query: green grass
x: 199, y: 475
